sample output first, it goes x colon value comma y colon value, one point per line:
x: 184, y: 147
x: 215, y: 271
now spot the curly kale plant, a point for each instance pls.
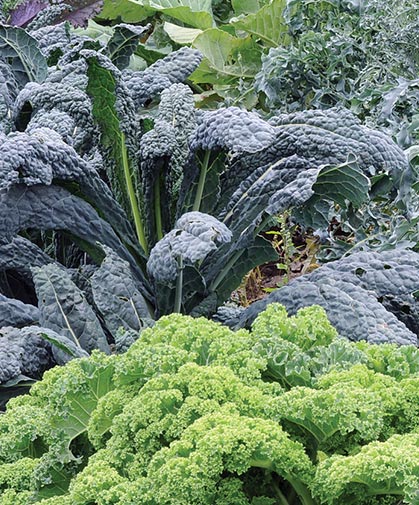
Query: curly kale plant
x: 97, y: 183
x: 194, y: 413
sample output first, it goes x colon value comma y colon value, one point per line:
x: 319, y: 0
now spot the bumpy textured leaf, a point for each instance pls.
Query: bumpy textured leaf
x: 174, y: 68
x: 23, y: 352
x: 26, y: 11
x: 118, y: 296
x: 54, y: 208
x: 157, y: 148
x: 330, y: 136
x: 232, y: 129
x: 194, y: 236
x: 81, y: 11
x: 42, y: 157
x: 52, y: 40
x: 51, y: 14
x: 16, y: 313
x: 40, y: 13
x: 23, y: 54
x: 65, y: 310
x: 350, y: 290
x: 60, y: 94
x: 20, y: 255
x: 9, y: 89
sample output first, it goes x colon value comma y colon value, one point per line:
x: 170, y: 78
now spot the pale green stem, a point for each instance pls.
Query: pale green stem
x: 179, y: 285
x: 201, y: 182
x: 157, y: 209
x: 220, y: 277
x: 302, y: 491
x: 281, y: 497
x: 139, y: 226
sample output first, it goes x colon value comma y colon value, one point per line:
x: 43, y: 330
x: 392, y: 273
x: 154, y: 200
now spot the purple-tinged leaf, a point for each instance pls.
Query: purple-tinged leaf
x: 25, y: 12
x: 82, y: 11
x: 78, y: 13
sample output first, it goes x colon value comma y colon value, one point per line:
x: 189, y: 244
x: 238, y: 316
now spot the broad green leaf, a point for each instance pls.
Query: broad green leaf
x: 97, y: 382
x: 127, y: 11
x: 196, y: 13
x: 102, y: 89
x: 95, y: 31
x: 267, y: 24
x: 180, y: 34
x: 21, y: 51
x: 228, y: 58
x: 245, y: 6
x: 343, y: 182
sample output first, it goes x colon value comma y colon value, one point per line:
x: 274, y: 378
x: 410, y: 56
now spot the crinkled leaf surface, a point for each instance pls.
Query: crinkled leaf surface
x: 16, y: 313
x: 26, y: 11
x: 117, y: 295
x: 23, y: 352
x: 64, y: 309
x: 21, y: 254
x: 42, y: 157
x: 350, y: 301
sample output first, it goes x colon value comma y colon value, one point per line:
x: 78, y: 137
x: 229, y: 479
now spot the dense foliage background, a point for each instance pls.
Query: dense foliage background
x: 167, y: 157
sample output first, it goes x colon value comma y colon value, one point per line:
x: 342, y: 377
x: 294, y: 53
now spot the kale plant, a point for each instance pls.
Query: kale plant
x: 97, y: 185
x: 195, y: 413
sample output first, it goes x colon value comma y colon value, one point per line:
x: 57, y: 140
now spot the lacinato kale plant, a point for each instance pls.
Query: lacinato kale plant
x: 194, y: 413
x: 121, y: 201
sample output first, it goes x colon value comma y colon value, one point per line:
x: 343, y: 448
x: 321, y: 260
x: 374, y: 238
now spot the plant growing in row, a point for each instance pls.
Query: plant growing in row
x: 193, y: 413
x: 171, y: 200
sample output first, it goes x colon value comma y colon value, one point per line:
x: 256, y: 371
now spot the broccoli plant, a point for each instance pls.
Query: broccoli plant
x: 110, y: 172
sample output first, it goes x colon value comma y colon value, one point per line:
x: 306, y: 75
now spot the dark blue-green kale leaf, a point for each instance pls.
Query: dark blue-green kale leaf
x: 354, y: 292
x: 64, y: 309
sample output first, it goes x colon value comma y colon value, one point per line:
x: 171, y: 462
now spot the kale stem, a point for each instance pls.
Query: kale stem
x: 302, y: 491
x: 281, y: 497
x: 201, y: 182
x: 220, y: 277
x: 179, y: 284
x: 157, y: 209
x: 139, y: 227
